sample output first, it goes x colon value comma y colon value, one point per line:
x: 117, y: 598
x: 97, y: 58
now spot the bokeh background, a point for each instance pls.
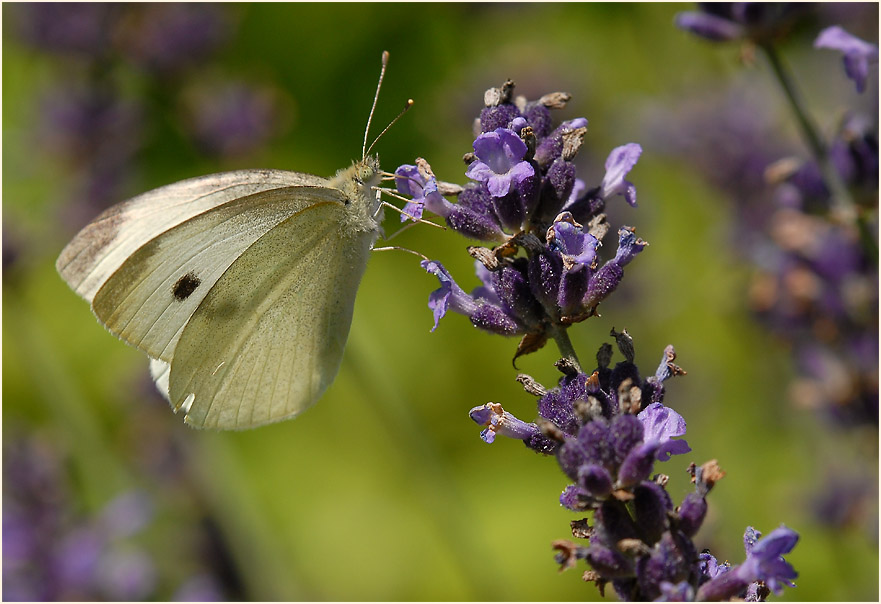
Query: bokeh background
x: 384, y: 490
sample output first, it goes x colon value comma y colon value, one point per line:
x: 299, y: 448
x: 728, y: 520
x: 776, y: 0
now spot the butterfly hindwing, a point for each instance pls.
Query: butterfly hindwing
x: 268, y: 337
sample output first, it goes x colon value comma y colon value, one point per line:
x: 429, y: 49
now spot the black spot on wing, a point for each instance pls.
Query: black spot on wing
x: 185, y: 286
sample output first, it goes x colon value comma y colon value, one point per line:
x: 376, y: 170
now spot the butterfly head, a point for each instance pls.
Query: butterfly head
x: 366, y: 172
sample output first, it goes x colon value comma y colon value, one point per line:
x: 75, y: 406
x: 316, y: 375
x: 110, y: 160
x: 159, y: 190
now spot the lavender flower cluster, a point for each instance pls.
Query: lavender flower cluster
x: 525, y: 195
x: 816, y: 283
x: 54, y: 551
x: 606, y: 428
x: 809, y: 226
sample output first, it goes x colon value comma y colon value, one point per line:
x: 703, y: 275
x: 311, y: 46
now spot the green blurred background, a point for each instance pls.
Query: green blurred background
x: 384, y: 490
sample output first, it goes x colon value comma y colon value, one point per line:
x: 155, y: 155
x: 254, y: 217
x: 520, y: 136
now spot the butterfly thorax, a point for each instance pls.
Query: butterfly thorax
x: 357, y: 182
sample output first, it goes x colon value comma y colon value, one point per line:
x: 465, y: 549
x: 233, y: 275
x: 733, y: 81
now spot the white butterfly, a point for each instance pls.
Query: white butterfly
x: 240, y: 286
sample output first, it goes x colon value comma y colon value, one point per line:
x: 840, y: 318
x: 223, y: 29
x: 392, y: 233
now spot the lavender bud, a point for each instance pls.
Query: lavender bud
x: 692, y: 513
x: 608, y: 562
x: 595, y: 480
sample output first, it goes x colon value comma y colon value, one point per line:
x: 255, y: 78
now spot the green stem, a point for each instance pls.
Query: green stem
x: 561, y: 337
x: 809, y: 131
x: 844, y: 209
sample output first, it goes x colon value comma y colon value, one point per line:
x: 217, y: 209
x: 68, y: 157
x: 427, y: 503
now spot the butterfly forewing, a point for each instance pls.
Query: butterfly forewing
x: 268, y: 338
x: 149, y: 298
x: 101, y: 247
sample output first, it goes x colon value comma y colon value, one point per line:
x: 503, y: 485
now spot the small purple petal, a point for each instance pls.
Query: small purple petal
x: 449, y: 295
x: 837, y: 38
x: 500, y: 154
x: 620, y: 161
x: 412, y: 210
x: 573, y: 498
x: 710, y: 567
x: 409, y: 181
x: 577, y: 190
x: 664, y: 372
x: 498, y: 184
x: 662, y: 424
x: 708, y: 26
x: 485, y: 291
x: 479, y: 171
x: 499, y: 421
x: 521, y: 171
x: 629, y: 245
x: 764, y: 561
x: 858, y: 54
x: 518, y: 124
x: 572, y: 241
x: 574, y: 124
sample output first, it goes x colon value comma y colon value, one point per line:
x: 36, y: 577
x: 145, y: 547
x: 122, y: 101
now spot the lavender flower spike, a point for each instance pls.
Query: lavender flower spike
x: 499, y: 421
x: 448, y: 295
x: 500, y: 161
x: 621, y: 161
x: 661, y: 424
x: 858, y: 54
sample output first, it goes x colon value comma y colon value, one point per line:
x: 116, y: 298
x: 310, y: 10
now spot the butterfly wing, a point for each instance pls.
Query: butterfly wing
x: 146, y: 264
x: 101, y: 247
x: 268, y: 337
x: 149, y: 299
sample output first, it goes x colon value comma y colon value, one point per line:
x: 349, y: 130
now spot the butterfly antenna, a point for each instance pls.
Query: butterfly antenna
x: 375, y: 98
x: 392, y: 123
x: 401, y: 249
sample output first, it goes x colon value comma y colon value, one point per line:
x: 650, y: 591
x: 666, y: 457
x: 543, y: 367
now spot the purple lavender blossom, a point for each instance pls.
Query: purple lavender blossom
x: 620, y: 161
x: 577, y: 247
x: 500, y: 161
x: 808, y: 265
x: 764, y: 566
x: 97, y: 133
x: 499, y: 421
x: 858, y: 54
x: 606, y: 441
x: 449, y: 295
x: 607, y: 428
x: 661, y: 425
x: 423, y: 191
x: 521, y: 187
x: 709, y: 26
x: 759, y: 22
x: 521, y: 169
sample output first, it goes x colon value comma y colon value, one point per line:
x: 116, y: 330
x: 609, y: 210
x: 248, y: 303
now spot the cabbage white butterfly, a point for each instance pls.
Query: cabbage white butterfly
x: 240, y: 286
